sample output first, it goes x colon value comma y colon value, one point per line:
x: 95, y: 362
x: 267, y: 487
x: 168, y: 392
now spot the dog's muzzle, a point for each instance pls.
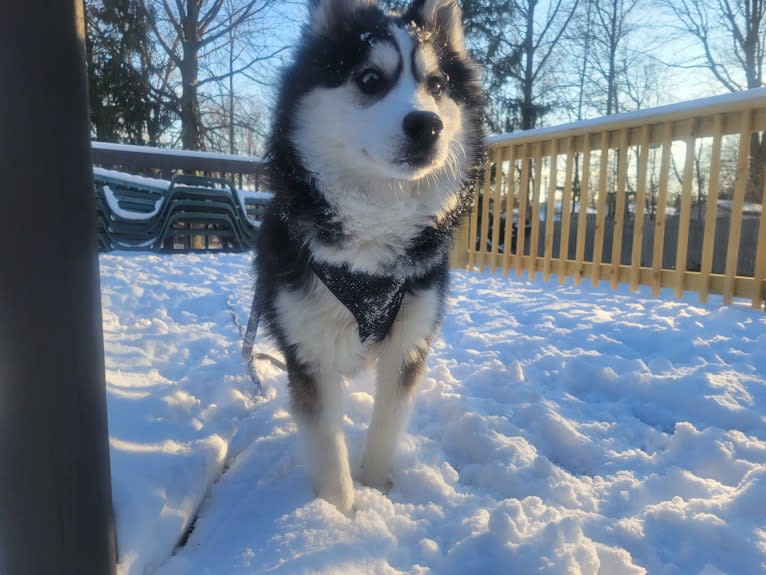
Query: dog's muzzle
x: 423, y: 128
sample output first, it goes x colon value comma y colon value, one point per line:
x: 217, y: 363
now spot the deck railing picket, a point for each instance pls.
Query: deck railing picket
x: 510, y: 195
x: 535, y: 210
x: 566, y: 212
x: 598, y: 240
x: 521, y: 235
x: 497, y: 190
x: 737, y: 205
x: 660, y: 214
x: 758, y: 299
x: 550, y: 215
x: 682, y: 248
x: 708, y: 241
x: 584, y: 201
x: 620, y: 208
x: 638, y: 219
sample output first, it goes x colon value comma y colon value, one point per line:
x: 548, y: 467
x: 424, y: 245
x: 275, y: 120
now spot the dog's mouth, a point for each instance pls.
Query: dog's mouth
x: 410, y: 163
x: 419, y: 159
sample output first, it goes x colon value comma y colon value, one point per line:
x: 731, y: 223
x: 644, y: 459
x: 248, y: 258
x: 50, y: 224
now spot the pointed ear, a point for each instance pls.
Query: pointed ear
x: 326, y: 16
x: 445, y: 16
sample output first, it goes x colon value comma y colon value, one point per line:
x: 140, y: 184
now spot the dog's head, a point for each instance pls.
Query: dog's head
x: 377, y: 96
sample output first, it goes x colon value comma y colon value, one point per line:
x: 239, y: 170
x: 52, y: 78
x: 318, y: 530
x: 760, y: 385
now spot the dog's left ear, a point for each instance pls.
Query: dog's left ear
x: 444, y: 16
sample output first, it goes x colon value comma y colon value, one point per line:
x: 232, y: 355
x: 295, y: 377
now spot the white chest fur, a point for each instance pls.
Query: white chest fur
x: 379, y: 221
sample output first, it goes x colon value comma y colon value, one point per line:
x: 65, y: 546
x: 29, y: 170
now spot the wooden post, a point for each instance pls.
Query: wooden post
x: 682, y: 246
x: 496, y: 192
x: 598, y: 240
x: 662, y: 200
x: 566, y: 212
x: 509, y: 201
x: 473, y: 222
x: 55, y: 492
x: 737, y: 204
x: 759, y: 294
x: 582, y: 216
x: 521, y: 229
x: 619, y: 214
x: 535, y: 209
x: 711, y: 208
x: 638, y: 220
x: 461, y: 240
x: 485, y: 199
x: 550, y: 211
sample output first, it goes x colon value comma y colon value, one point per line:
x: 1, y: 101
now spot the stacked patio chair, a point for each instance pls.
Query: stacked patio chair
x: 127, y: 211
x: 203, y: 213
x: 189, y: 213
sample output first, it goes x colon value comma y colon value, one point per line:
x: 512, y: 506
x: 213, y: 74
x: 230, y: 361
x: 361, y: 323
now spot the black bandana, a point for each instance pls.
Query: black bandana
x: 373, y: 300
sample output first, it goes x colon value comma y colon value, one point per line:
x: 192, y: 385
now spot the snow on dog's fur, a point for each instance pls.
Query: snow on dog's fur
x: 373, y: 155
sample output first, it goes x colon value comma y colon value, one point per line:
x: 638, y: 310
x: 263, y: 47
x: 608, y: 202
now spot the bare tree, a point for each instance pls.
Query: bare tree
x: 612, y: 27
x: 517, y: 41
x: 537, y: 47
x: 731, y: 36
x: 231, y: 108
x: 191, y: 33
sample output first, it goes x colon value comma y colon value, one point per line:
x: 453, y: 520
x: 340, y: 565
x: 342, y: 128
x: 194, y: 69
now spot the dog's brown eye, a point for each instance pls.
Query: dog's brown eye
x: 370, y: 81
x: 435, y: 85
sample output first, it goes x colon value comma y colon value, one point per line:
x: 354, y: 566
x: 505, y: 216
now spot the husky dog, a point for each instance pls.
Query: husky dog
x: 373, y: 156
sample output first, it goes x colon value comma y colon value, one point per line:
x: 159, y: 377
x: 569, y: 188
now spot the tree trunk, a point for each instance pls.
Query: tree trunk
x: 528, y: 112
x: 191, y: 128
x: 191, y: 122
x: 613, y: 35
x: 232, y: 144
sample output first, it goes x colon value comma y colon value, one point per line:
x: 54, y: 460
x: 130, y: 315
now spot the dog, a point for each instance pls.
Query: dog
x: 373, y: 156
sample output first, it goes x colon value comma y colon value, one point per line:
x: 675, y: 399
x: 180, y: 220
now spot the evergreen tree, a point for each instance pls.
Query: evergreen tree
x: 124, y: 105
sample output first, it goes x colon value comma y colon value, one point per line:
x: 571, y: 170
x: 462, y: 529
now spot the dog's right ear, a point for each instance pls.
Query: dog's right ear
x: 326, y: 16
x: 444, y: 16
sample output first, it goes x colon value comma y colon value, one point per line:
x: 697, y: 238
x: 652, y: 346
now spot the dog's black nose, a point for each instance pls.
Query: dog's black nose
x: 423, y: 127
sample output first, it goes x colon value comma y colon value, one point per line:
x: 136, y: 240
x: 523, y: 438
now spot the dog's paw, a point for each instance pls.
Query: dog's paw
x: 341, y: 495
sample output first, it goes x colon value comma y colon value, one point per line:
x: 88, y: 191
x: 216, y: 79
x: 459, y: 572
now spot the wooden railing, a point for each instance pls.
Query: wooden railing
x: 627, y: 197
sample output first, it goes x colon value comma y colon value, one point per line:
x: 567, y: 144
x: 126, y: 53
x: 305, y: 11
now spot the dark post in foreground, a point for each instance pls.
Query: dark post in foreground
x: 55, y: 492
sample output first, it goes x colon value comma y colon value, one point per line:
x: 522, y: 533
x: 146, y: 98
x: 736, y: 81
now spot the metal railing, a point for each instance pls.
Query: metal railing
x: 669, y: 197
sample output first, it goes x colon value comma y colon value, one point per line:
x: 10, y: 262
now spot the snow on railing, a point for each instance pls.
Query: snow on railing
x: 626, y: 197
x: 246, y: 171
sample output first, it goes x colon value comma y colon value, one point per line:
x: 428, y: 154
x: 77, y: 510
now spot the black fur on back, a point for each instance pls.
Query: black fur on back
x: 299, y: 210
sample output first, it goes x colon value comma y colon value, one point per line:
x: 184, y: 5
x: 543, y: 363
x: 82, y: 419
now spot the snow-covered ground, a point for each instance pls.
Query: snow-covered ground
x: 558, y: 430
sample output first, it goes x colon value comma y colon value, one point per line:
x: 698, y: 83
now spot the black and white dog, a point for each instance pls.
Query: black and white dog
x: 373, y: 155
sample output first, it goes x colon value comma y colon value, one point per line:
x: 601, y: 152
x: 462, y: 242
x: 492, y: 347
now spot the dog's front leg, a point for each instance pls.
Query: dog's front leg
x: 317, y: 405
x: 398, y: 377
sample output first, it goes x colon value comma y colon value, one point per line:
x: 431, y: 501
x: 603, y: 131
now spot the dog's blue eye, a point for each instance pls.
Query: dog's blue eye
x: 435, y: 85
x: 370, y: 81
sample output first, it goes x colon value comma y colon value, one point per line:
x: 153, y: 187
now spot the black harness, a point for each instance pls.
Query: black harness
x: 373, y: 300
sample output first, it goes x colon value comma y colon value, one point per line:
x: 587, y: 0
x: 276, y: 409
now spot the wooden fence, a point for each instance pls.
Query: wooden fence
x: 669, y: 197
